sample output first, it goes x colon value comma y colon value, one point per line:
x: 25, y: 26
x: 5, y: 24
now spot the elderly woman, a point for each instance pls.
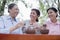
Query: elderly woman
x: 7, y: 21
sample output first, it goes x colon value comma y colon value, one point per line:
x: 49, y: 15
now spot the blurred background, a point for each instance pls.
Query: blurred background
x: 25, y: 7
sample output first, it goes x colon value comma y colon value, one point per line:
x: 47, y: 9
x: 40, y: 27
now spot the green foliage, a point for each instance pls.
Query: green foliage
x: 2, y: 5
x: 43, y: 5
x: 3, y: 2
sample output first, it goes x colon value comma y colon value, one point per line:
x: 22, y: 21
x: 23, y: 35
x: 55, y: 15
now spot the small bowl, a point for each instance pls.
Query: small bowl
x: 45, y: 31
x: 30, y: 31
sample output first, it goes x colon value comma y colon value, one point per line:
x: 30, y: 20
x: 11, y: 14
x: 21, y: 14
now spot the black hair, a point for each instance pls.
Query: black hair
x: 11, y: 6
x: 37, y: 12
x: 54, y: 9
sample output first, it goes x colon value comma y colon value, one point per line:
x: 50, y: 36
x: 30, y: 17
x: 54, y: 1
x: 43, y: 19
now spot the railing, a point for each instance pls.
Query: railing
x: 28, y: 37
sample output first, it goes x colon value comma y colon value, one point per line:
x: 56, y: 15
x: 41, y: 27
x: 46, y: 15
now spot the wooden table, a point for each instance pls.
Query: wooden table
x: 28, y: 37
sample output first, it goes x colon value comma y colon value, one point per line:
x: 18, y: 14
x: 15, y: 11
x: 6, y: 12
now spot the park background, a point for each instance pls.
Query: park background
x: 25, y: 7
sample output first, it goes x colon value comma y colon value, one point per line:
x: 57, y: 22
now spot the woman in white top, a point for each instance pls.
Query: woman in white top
x: 31, y: 25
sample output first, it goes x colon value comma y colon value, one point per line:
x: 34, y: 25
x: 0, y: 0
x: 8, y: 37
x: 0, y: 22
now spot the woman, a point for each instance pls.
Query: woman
x: 31, y: 25
x: 10, y: 20
x: 53, y: 24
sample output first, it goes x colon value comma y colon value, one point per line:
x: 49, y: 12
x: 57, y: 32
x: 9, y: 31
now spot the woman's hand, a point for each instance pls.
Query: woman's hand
x: 44, y: 30
x: 20, y: 24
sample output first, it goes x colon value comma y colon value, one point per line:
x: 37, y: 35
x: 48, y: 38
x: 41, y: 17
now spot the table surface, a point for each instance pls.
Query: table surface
x: 28, y: 37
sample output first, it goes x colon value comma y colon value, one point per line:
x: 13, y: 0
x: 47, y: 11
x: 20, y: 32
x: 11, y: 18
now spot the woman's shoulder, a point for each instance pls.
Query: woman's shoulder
x: 26, y: 22
x: 58, y: 22
x: 49, y: 22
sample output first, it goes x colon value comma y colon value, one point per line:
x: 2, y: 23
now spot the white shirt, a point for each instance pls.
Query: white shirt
x: 6, y: 23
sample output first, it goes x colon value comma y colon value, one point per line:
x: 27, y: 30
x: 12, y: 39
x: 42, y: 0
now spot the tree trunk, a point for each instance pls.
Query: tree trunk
x: 2, y: 7
x: 59, y: 6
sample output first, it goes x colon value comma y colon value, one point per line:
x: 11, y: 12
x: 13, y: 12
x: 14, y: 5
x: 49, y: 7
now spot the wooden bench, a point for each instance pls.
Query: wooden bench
x: 28, y: 37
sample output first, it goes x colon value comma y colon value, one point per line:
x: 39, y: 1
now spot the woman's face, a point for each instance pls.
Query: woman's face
x: 51, y: 14
x: 14, y: 11
x: 33, y: 15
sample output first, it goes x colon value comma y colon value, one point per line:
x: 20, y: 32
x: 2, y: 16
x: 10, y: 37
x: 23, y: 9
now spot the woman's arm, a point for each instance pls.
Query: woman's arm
x: 21, y: 24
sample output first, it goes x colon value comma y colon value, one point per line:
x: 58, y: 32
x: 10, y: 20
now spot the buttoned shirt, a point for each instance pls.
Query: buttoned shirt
x: 6, y: 23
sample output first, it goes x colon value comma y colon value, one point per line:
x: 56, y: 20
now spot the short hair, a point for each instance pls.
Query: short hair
x: 11, y: 6
x: 54, y: 9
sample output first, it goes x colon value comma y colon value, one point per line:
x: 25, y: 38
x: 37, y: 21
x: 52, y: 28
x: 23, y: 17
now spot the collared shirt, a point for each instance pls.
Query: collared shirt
x: 6, y: 23
x: 54, y: 28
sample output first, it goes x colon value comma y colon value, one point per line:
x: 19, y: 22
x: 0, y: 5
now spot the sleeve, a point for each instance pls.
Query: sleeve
x: 2, y: 28
x: 26, y: 23
x: 24, y: 28
x: 47, y: 23
x: 1, y: 23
